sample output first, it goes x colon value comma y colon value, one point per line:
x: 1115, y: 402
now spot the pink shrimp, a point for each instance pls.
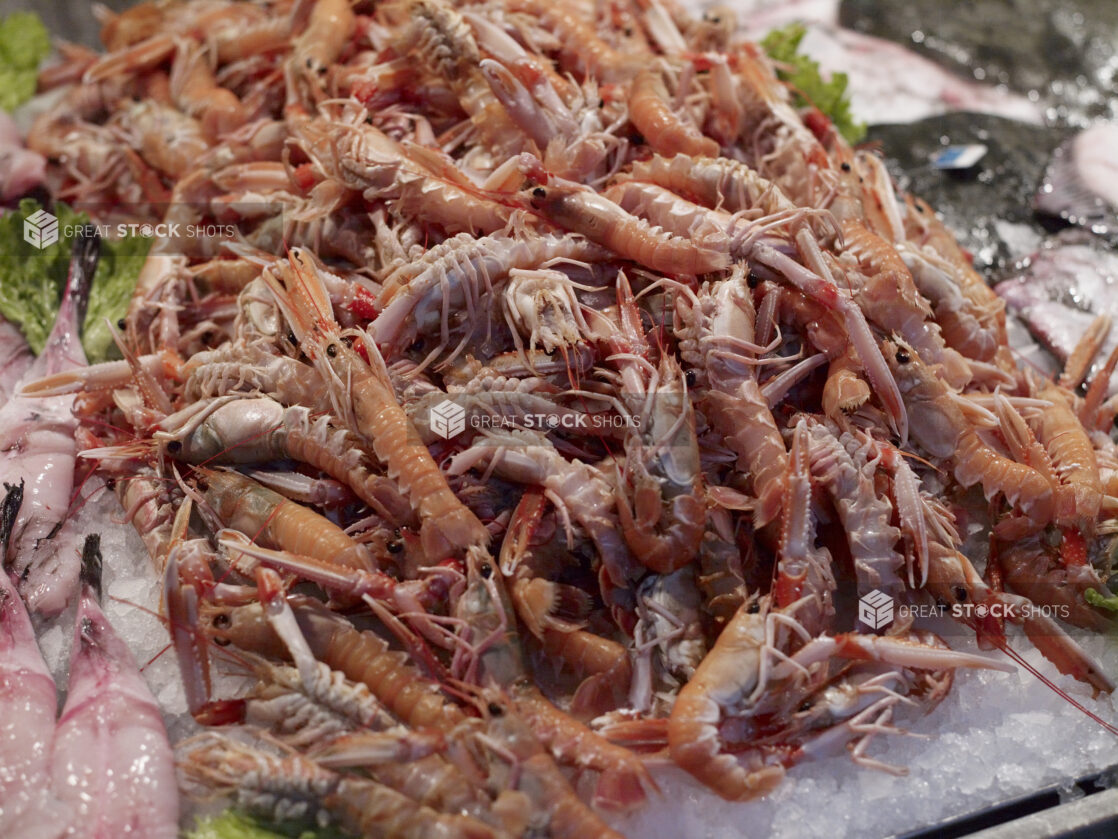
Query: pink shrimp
x: 582, y: 210
x: 651, y: 112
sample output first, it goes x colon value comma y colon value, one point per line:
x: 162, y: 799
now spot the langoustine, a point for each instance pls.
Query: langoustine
x: 762, y: 337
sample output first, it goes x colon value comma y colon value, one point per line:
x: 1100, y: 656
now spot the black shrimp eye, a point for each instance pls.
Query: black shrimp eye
x: 394, y: 547
x: 222, y: 621
x: 752, y: 280
x: 539, y: 192
x: 753, y: 608
x: 174, y: 447
x: 960, y: 594
x: 495, y: 710
x: 903, y: 357
x: 690, y: 378
x: 486, y: 570
x: 332, y: 350
x: 222, y: 642
x: 845, y: 167
x: 120, y: 324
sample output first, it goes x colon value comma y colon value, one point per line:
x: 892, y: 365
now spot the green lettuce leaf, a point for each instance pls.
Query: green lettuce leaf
x: 809, y: 86
x: 24, y: 43
x: 1096, y: 599
x: 233, y: 824
x: 32, y: 280
x: 117, y: 273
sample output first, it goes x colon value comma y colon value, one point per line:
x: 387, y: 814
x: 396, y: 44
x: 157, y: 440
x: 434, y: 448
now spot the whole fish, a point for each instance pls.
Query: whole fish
x: 112, y: 766
x: 27, y: 722
x: 15, y: 358
x: 37, y: 447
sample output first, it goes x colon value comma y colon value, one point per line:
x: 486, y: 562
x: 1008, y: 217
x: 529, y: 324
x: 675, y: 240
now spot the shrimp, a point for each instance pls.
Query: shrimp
x: 941, y: 428
x: 197, y: 93
x: 293, y: 786
x: 845, y: 391
x: 885, y: 290
x: 134, y: 59
x: 970, y: 314
x: 456, y: 274
x: 1031, y: 568
x: 550, y: 611
x: 364, y: 399
x: 329, y: 29
x: 122, y: 29
x: 581, y: 210
x: 865, y: 517
x: 1072, y: 455
x: 953, y: 580
x: 805, y: 578
x: 362, y: 656
x: 581, y: 50
x: 719, y: 325
x: 346, y: 584
x: 243, y: 504
x: 668, y: 517
x: 579, y: 491
x: 151, y: 323
x: 727, y: 674
x: 542, y: 306
x: 166, y: 138
x: 669, y: 624
x: 1079, y: 361
x: 255, y: 430
x: 725, y: 184
x: 363, y: 157
x: 665, y: 131
x: 623, y: 782
x: 247, y: 367
x: 440, y: 38
x: 519, y: 720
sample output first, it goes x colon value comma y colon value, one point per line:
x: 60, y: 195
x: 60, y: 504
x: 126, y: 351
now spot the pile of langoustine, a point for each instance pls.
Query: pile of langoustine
x: 720, y: 381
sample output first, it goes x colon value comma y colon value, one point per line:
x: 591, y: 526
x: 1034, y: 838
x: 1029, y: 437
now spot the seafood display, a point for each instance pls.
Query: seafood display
x: 517, y: 395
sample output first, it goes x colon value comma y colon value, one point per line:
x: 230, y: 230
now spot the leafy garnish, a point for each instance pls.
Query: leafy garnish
x: 24, y: 43
x: 32, y: 280
x: 117, y: 272
x: 809, y: 87
x: 1096, y: 599
x: 233, y: 824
